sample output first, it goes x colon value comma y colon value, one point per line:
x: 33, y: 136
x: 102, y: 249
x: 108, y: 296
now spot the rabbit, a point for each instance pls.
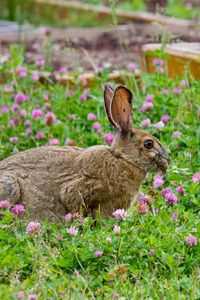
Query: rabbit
x: 52, y: 181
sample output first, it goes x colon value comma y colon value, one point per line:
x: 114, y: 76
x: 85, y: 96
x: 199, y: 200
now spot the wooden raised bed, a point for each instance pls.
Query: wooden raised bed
x: 87, y: 79
x: 62, y: 8
x: 179, y: 57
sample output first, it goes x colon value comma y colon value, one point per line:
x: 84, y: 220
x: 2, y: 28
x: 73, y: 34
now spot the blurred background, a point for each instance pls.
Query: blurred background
x: 74, y: 36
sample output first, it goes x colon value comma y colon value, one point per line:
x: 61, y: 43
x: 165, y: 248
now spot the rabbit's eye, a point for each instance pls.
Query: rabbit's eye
x: 148, y: 144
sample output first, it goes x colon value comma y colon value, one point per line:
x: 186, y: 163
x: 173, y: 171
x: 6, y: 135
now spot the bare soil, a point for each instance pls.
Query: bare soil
x: 86, y: 49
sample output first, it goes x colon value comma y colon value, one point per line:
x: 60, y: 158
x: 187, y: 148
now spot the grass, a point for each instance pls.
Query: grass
x: 149, y: 258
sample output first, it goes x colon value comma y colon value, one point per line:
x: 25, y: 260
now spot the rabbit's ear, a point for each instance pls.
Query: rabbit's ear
x: 121, y: 108
x: 108, y: 95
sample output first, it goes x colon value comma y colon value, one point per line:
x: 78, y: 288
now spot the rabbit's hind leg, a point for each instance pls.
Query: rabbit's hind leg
x: 9, y: 188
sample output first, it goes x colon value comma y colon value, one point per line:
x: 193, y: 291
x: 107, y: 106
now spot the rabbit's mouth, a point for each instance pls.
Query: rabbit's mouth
x: 162, y: 162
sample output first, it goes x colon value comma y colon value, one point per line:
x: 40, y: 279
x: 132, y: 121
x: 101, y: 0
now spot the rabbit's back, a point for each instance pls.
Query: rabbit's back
x: 34, y: 177
x: 40, y: 158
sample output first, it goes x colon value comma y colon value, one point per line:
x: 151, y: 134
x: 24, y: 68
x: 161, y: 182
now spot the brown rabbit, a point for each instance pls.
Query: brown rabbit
x: 52, y: 181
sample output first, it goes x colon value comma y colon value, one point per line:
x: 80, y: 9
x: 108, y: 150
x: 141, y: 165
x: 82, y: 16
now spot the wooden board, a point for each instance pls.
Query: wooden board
x: 87, y: 79
x: 180, y: 57
x: 63, y: 7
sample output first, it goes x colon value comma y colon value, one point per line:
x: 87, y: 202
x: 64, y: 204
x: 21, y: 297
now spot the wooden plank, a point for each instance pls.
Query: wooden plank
x: 181, y: 55
x: 62, y: 8
x: 87, y: 79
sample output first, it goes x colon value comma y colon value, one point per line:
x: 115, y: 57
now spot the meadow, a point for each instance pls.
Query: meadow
x: 150, y: 252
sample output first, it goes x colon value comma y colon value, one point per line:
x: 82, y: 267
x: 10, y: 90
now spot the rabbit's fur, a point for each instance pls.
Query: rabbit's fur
x: 52, y: 181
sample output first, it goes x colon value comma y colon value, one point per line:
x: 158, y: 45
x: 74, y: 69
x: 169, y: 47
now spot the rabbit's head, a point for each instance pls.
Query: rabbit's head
x: 135, y: 145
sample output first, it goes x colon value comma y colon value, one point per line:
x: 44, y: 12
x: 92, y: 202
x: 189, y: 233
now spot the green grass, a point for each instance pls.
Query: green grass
x: 149, y: 259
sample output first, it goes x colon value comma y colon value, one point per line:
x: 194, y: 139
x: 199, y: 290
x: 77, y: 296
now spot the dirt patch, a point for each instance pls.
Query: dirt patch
x: 88, y: 48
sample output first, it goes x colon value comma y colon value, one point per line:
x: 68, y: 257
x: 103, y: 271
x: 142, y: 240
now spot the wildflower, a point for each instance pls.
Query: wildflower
x: 133, y: 66
x: 50, y: 118
x: 97, y: 127
x: 191, y: 240
x: 84, y: 95
x: 196, y: 177
x: 142, y: 207
x: 72, y: 231
x: 4, y: 204
x: 108, y: 239
x: 69, y: 216
x: 184, y: 83
x: 143, y: 198
x: 158, y: 181
x: 109, y: 138
x: 180, y: 190
x: 159, y: 69
x: 171, y: 199
x: 91, y: 117
x: 99, y: 69
x: 23, y: 113
x: 176, y: 134
x: 20, y: 295
x: 54, y: 142
x: 27, y: 123
x: 62, y: 70
x: 164, y: 91
x: 165, y: 191
x: 158, y: 61
x: 174, y: 216
x: 177, y: 90
x: 149, y: 98
x: 20, y: 98
x: 69, y: 142
x: 21, y: 72
x: 160, y: 125
x: 83, y: 98
x: 5, y: 109
x: 33, y: 228
x: 15, y: 107
x: 35, y: 76
x: 40, y: 63
x: 18, y: 210
x: 147, y: 106
x: 28, y: 131
x: 117, y: 229
x: 146, y: 122
x: 8, y: 89
x: 165, y: 119
x: 70, y: 92
x: 154, y: 211
x: 36, y: 113
x: 11, y: 123
x: 40, y: 135
x: 47, y: 30
x: 120, y: 214
x: 98, y: 253
x: 59, y: 236
x: 14, y: 139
